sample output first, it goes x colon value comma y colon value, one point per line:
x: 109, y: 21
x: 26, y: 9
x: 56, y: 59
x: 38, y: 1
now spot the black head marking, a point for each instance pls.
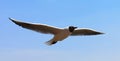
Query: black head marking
x: 72, y: 28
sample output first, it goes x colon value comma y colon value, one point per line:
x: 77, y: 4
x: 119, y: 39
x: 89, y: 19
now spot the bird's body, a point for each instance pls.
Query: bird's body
x: 59, y: 37
x: 59, y: 34
x: 62, y: 35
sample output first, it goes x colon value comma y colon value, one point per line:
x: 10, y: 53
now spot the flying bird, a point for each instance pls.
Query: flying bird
x: 59, y: 33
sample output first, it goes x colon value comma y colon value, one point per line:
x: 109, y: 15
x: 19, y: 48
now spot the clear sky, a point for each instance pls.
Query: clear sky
x: 19, y: 44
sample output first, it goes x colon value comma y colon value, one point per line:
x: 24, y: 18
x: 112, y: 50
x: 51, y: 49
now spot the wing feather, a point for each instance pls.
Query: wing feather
x: 85, y: 32
x: 37, y: 27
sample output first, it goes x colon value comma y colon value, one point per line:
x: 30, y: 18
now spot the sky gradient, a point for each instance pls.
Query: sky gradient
x: 18, y: 44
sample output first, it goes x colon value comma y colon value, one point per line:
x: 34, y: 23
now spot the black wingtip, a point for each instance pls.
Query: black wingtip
x: 102, y: 33
x: 15, y: 21
x: 99, y: 33
x: 11, y: 19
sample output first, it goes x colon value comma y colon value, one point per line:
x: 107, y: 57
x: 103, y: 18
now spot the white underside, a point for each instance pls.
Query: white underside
x: 59, y: 37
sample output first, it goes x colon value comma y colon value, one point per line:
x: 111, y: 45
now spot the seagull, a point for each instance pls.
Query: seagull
x: 59, y: 33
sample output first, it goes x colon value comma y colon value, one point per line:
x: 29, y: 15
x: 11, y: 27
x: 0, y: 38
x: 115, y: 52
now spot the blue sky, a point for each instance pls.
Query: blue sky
x: 18, y: 44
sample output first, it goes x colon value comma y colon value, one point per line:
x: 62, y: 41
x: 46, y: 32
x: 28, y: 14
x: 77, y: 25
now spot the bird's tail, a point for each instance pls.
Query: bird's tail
x: 51, y: 42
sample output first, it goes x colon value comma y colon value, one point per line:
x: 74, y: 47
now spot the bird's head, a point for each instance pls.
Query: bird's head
x: 72, y: 28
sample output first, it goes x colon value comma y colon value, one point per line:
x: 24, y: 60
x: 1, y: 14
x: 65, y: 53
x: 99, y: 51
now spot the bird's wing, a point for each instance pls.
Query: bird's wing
x: 37, y: 27
x: 85, y: 32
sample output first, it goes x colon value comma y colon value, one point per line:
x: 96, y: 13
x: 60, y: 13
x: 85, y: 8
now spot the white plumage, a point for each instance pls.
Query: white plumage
x: 59, y: 33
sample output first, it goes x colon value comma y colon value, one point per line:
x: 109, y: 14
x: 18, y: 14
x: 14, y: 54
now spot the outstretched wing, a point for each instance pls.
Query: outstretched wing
x: 85, y: 32
x: 37, y: 27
